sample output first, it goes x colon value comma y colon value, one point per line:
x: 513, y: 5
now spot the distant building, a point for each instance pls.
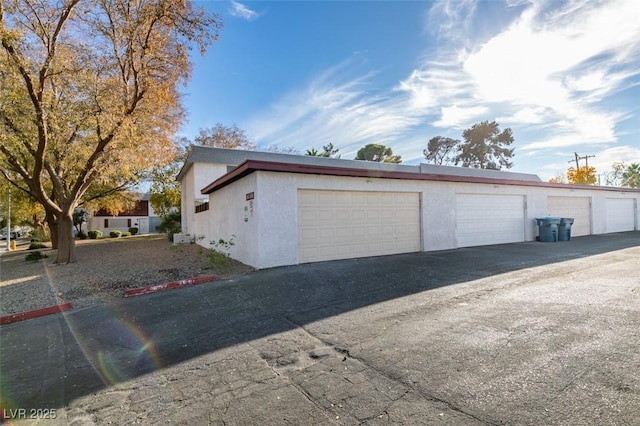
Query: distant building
x: 141, y: 216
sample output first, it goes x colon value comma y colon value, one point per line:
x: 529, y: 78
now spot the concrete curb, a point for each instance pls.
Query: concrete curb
x: 169, y: 285
x: 8, y: 319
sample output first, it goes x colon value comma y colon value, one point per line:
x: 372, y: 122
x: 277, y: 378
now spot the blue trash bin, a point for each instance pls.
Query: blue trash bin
x: 548, y: 229
x: 564, y: 229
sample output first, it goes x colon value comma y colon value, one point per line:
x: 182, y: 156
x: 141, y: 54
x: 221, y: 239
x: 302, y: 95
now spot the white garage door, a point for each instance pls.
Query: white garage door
x: 347, y: 224
x: 483, y: 219
x: 620, y: 214
x: 578, y: 208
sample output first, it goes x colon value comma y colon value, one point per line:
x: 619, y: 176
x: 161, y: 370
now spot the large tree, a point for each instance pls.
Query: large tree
x: 89, y: 94
x: 221, y: 136
x: 486, y: 147
x: 378, y: 153
x: 441, y: 150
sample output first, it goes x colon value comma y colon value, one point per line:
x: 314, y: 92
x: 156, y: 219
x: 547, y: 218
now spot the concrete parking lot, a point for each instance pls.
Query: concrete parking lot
x: 529, y: 334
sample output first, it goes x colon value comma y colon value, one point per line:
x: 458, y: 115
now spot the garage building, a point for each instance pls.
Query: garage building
x: 284, y: 209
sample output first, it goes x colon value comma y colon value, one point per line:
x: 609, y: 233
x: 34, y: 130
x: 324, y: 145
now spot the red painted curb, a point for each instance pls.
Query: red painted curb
x: 170, y: 285
x: 8, y: 319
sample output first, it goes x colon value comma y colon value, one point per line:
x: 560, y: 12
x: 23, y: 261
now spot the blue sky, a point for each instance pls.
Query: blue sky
x: 563, y: 75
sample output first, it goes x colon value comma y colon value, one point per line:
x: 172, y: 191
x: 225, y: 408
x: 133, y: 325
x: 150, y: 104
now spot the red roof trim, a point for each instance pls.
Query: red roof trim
x: 250, y: 166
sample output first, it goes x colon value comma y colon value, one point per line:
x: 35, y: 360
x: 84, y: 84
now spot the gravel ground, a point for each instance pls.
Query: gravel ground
x: 103, y: 271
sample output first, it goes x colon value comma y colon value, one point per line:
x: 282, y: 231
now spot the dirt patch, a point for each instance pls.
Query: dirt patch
x: 103, y: 271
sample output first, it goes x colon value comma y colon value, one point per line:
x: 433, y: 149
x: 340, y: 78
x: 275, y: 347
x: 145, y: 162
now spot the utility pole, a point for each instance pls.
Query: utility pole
x: 578, y: 158
x: 576, y: 161
x: 586, y: 159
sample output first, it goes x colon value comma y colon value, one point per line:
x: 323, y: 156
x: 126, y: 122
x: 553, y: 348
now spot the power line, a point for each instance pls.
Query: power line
x: 586, y: 159
x: 578, y: 158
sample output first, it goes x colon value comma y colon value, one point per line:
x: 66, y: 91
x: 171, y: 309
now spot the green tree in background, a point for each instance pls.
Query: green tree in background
x: 378, y: 153
x: 486, y: 147
x: 441, y: 150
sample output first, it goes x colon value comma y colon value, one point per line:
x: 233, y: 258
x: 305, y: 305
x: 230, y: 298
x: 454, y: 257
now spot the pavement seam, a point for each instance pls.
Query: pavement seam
x: 410, y: 386
x: 330, y: 415
x: 346, y: 353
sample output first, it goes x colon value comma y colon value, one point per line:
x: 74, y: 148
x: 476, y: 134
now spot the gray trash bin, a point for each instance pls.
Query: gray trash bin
x: 548, y: 229
x: 564, y: 229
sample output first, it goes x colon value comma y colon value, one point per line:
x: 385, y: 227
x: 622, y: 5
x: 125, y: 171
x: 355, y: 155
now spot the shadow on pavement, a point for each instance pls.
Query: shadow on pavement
x: 50, y: 361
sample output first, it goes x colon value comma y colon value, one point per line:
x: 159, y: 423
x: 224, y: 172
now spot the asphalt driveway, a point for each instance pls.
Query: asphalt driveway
x: 528, y: 333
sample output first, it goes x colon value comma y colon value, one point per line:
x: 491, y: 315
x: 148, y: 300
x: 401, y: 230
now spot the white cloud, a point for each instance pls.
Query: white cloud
x: 548, y: 71
x: 451, y: 17
x: 241, y: 11
x: 336, y: 106
x: 553, y: 64
x: 456, y: 117
x: 526, y: 115
x: 605, y: 158
x: 430, y: 88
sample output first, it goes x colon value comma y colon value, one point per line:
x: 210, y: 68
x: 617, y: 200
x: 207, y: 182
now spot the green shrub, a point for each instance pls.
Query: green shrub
x: 133, y: 230
x: 40, y: 235
x: 95, y: 234
x: 170, y: 225
x: 115, y: 234
x: 126, y: 234
x: 36, y: 245
x: 34, y: 256
x: 82, y: 235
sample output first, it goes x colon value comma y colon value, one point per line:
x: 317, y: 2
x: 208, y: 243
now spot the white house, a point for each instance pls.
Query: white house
x: 282, y: 209
x: 142, y: 216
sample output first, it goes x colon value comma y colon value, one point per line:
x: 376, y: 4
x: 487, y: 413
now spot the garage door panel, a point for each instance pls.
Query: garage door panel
x: 308, y: 215
x: 387, y: 214
x: 343, y: 215
x: 325, y: 216
x: 373, y: 214
x: 359, y: 214
x: 362, y: 224
x: 578, y: 208
x: 343, y: 199
x: 327, y: 233
x: 387, y: 230
x: 483, y: 219
x: 620, y: 214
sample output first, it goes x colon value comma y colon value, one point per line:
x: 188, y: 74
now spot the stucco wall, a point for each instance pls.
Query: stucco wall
x: 197, y: 177
x: 269, y: 236
x: 229, y: 220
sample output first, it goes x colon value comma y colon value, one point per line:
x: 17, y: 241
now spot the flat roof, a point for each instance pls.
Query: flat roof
x: 235, y: 157
x: 251, y: 166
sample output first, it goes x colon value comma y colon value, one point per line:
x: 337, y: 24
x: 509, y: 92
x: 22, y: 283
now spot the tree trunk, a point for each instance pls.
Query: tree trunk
x: 66, y: 242
x: 52, y: 221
